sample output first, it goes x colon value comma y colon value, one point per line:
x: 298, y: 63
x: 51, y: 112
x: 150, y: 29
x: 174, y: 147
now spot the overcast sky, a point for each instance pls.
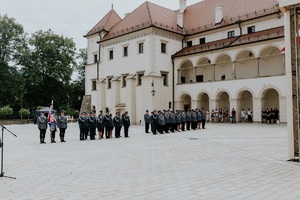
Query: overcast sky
x: 70, y: 18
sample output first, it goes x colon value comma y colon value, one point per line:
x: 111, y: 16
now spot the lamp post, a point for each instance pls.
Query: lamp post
x: 153, y: 91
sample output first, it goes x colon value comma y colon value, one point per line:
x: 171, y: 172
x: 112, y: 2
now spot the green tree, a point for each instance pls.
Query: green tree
x: 12, y: 44
x: 24, y: 112
x: 48, y: 66
x: 6, y: 111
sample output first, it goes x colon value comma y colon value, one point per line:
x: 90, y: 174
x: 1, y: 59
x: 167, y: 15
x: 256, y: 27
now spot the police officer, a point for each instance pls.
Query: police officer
x: 126, y: 123
x: 183, y: 120
x: 167, y: 121
x: 178, y: 120
x: 53, y: 127
x: 62, y: 124
x: 173, y: 121
x: 147, y: 121
x: 194, y: 120
x: 161, y: 123
x: 108, y: 125
x: 92, y: 123
x: 81, y: 123
x: 188, y: 120
x: 100, y: 125
x: 42, y: 126
x: 203, y: 117
x: 117, y: 121
x: 199, y: 118
x: 154, y: 122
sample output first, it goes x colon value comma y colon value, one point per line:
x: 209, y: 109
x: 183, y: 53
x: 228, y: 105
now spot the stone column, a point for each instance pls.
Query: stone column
x: 257, y: 107
x: 194, y: 104
x: 101, y: 95
x: 115, y: 94
x: 258, y: 70
x: 234, y: 70
x: 282, y: 109
x: 131, y: 98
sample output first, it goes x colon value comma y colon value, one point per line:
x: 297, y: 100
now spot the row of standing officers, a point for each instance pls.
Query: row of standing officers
x: 89, y: 122
x: 170, y: 121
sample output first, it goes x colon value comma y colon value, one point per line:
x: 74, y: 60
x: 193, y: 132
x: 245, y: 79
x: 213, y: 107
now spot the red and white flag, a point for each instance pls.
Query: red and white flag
x: 50, y: 114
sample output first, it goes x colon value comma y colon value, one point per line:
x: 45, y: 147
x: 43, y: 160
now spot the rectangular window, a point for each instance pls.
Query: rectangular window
x: 111, y: 54
x: 124, y: 81
x: 165, y: 78
x: 125, y: 53
x: 109, y: 82
x: 230, y: 34
x: 141, y: 47
x: 94, y: 85
x: 189, y: 43
x: 94, y: 109
x: 251, y: 29
x: 199, y: 78
x: 202, y: 40
x: 95, y: 58
x: 163, y: 47
x: 182, y: 79
x: 139, y: 79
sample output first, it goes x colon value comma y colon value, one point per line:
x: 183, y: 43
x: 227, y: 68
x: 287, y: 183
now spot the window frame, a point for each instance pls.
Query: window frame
x: 230, y: 34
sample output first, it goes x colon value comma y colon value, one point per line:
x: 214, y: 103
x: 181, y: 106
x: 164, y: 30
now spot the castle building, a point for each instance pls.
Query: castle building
x: 212, y: 54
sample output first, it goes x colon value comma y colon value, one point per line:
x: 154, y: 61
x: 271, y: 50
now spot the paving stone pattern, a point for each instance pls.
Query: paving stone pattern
x: 224, y: 161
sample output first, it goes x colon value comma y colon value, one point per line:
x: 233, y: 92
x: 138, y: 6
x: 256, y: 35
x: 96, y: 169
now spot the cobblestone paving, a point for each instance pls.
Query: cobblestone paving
x: 224, y: 161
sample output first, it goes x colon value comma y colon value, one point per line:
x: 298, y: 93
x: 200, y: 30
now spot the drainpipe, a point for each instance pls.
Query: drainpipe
x: 173, y: 83
x: 99, y: 53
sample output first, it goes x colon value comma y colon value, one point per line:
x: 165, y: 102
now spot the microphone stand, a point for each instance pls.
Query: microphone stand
x: 2, y: 150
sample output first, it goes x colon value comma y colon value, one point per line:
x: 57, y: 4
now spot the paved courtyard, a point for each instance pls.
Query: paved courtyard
x: 224, y: 161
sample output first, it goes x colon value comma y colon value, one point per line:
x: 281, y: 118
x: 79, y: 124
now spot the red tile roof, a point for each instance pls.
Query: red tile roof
x: 106, y: 23
x: 146, y: 15
x: 201, y: 16
x: 198, y: 17
x: 235, y: 41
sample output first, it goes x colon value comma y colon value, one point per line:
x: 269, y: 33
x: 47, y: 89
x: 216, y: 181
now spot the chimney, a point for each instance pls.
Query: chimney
x: 182, y: 5
x: 218, y: 14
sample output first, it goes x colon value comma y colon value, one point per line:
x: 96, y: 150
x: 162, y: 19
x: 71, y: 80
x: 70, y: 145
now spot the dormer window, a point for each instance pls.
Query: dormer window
x: 230, y: 34
x: 251, y: 29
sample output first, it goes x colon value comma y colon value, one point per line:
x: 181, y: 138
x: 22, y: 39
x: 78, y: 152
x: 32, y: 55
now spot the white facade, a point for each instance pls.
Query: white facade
x: 254, y: 70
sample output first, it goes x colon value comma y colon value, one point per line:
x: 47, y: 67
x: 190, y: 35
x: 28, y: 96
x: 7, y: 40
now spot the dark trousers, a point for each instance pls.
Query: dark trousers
x: 173, y: 127
x: 167, y: 127
x: 183, y: 126
x: 203, y: 123
x: 153, y: 128
x: 86, y: 132
x: 53, y: 135
x: 117, y: 131
x: 188, y: 126
x: 107, y: 131
x: 62, y: 132
x: 82, y: 132
x: 42, y: 135
x: 147, y: 127
x: 126, y: 131
x: 92, y: 133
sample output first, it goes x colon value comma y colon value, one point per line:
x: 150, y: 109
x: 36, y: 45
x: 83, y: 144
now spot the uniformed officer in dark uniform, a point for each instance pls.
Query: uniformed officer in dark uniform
x: 92, y: 122
x: 42, y: 126
x: 87, y: 127
x: 183, y: 120
x: 62, y: 123
x: 82, y: 125
x: 108, y: 125
x: 167, y: 121
x: 126, y: 123
x: 194, y: 120
x: 100, y: 125
x: 117, y: 121
x: 53, y: 127
x: 199, y: 118
x: 147, y: 121
x: 154, y: 122
x: 173, y: 121
x: 188, y: 120
x: 161, y: 123
x: 203, y: 117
